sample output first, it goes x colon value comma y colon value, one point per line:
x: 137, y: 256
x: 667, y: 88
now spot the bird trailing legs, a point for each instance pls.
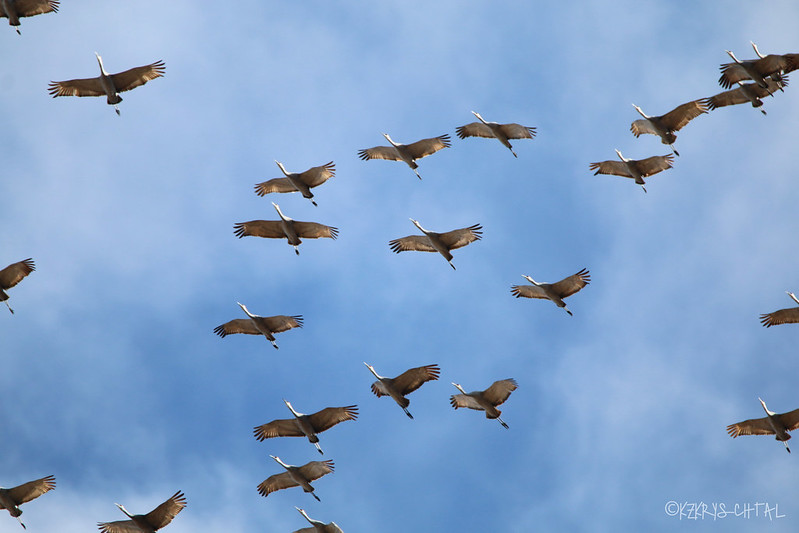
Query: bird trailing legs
x: 9, y: 307
x: 298, y: 415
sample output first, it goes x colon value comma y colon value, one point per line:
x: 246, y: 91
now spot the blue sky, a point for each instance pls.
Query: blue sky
x: 114, y: 382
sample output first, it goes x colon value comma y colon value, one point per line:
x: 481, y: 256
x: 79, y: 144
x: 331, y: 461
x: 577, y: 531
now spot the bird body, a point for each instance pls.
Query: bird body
x: 14, y: 9
x: 285, y: 228
x: 151, y: 522
x: 408, y: 153
x: 486, y: 400
x: 773, y: 424
x: 301, y: 182
x: 553, y: 291
x: 407, y: 382
x: 501, y: 132
x: 306, y: 425
x: 783, y: 316
x: 664, y: 126
x: 13, y: 274
x: 632, y: 168
x: 757, y: 70
x: 259, y: 325
x: 11, y: 499
x: 317, y: 526
x: 109, y: 85
x: 746, y: 92
x: 295, y: 476
x: 437, y: 242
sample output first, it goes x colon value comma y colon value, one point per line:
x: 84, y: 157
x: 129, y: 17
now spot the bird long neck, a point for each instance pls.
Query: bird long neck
x: 769, y: 413
x: 640, y: 111
x: 621, y: 156
x: 481, y: 119
x: 282, y: 168
x: 100, y: 61
x: 372, y: 370
x: 733, y: 56
x: 793, y: 297
x: 279, y: 212
x: 761, y: 56
x: 124, y: 510
x: 389, y: 139
x: 531, y: 280
x: 281, y: 463
x: 416, y: 223
x: 295, y: 413
x: 244, y: 308
x: 459, y: 388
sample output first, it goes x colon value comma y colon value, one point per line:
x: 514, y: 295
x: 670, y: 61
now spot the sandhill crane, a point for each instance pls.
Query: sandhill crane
x: 553, y: 291
x: 12, y: 498
x: 501, y: 132
x: 632, y: 168
x: 296, y: 476
x: 303, y: 425
x: 406, y: 152
x: 285, y: 228
x: 159, y: 517
x: 664, y: 126
x: 783, y: 316
x: 318, y: 527
x: 259, y: 325
x: 13, y: 274
x: 109, y: 85
x: 486, y: 400
x: 14, y: 9
x: 437, y: 242
x: 756, y: 70
x: 404, y: 384
x: 747, y: 92
x: 772, y: 424
x: 294, y: 182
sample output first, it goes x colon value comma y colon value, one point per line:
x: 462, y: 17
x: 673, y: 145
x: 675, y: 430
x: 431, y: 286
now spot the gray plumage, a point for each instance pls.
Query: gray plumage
x: 501, y: 132
x: 13, y: 497
x: 555, y: 292
x: 773, y: 424
x: 156, y: 519
x: 408, y: 153
x: 747, y: 93
x: 407, y: 382
x: 486, y: 400
x: 783, y: 316
x: 13, y: 10
x: 664, y: 126
x: 259, y: 325
x: 11, y: 275
x: 632, y: 168
x: 301, y: 182
x: 285, y: 228
x: 437, y: 242
x: 303, y: 425
x: 295, y: 476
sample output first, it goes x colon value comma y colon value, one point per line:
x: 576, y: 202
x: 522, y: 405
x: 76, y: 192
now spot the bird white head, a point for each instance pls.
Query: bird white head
x: 371, y: 369
x: 282, y: 168
x: 528, y: 278
x: 279, y: 212
x: 121, y: 508
x: 481, y: 119
x: 732, y: 56
x: 621, y: 156
x: 764, y: 407
x: 276, y: 458
x: 288, y: 404
x: 416, y: 223
x: 458, y: 387
x: 389, y: 139
x: 247, y: 311
x: 793, y: 296
x: 761, y: 56
x: 640, y: 111
x: 100, y: 61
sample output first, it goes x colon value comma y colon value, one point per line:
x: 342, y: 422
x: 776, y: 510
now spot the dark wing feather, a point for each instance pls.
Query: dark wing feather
x: 790, y: 420
x: 316, y: 469
x: 132, y: 78
x: 568, y: 286
x: 412, y: 243
x: 783, y: 316
x: 119, y: 526
x: 474, y: 129
x: 755, y: 426
x: 731, y: 97
x: 237, y: 325
x: 29, y: 8
x: 78, y: 87
x: 313, y: 177
x: 312, y: 230
x: 425, y: 147
x: 164, y: 513
x: 280, y: 323
x: 15, y: 272
x: 642, y: 126
x: 517, y: 131
x: 681, y: 115
x: 499, y: 391
x: 616, y: 168
x: 653, y: 165
x: 461, y: 237
x: 412, y: 379
x: 379, y: 152
x: 528, y: 291
x: 276, y: 482
x: 327, y: 418
x: 32, y: 489
x: 268, y: 229
x: 274, y: 185
x: 277, y: 428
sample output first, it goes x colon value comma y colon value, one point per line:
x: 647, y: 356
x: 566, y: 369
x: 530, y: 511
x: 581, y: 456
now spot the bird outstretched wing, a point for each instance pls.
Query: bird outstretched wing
x: 31, y: 490
x: 412, y: 379
x: 327, y: 418
x: 499, y: 391
x: 783, y: 316
x: 15, y: 272
x: 132, y: 78
x: 681, y: 115
x: 461, y: 237
x: 575, y: 282
x: 412, y: 243
x: 425, y: 147
x: 29, y: 8
x: 237, y: 325
x: 167, y: 511
x: 755, y: 426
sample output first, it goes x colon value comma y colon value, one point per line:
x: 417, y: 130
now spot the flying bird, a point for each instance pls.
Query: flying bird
x: 404, y: 384
x: 437, y: 242
x: 756, y: 70
x: 285, y: 228
x: 664, y: 126
x: 632, y: 168
x: 108, y: 85
x: 303, y: 425
x: 259, y: 325
x: 159, y: 517
x: 294, y: 182
x: 486, y: 400
x: 318, y: 527
x: 501, y: 132
x: 13, y: 274
x: 772, y: 424
x: 783, y: 316
x: 553, y: 291
x: 12, y: 498
x: 747, y: 93
x: 406, y: 152
x: 14, y: 9
x: 295, y: 476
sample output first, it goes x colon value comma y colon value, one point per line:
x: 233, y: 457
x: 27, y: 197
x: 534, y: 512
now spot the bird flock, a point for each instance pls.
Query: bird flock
x: 756, y: 79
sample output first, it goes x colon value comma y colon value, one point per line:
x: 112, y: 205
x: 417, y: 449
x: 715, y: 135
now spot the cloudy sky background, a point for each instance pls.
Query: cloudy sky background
x: 112, y: 378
